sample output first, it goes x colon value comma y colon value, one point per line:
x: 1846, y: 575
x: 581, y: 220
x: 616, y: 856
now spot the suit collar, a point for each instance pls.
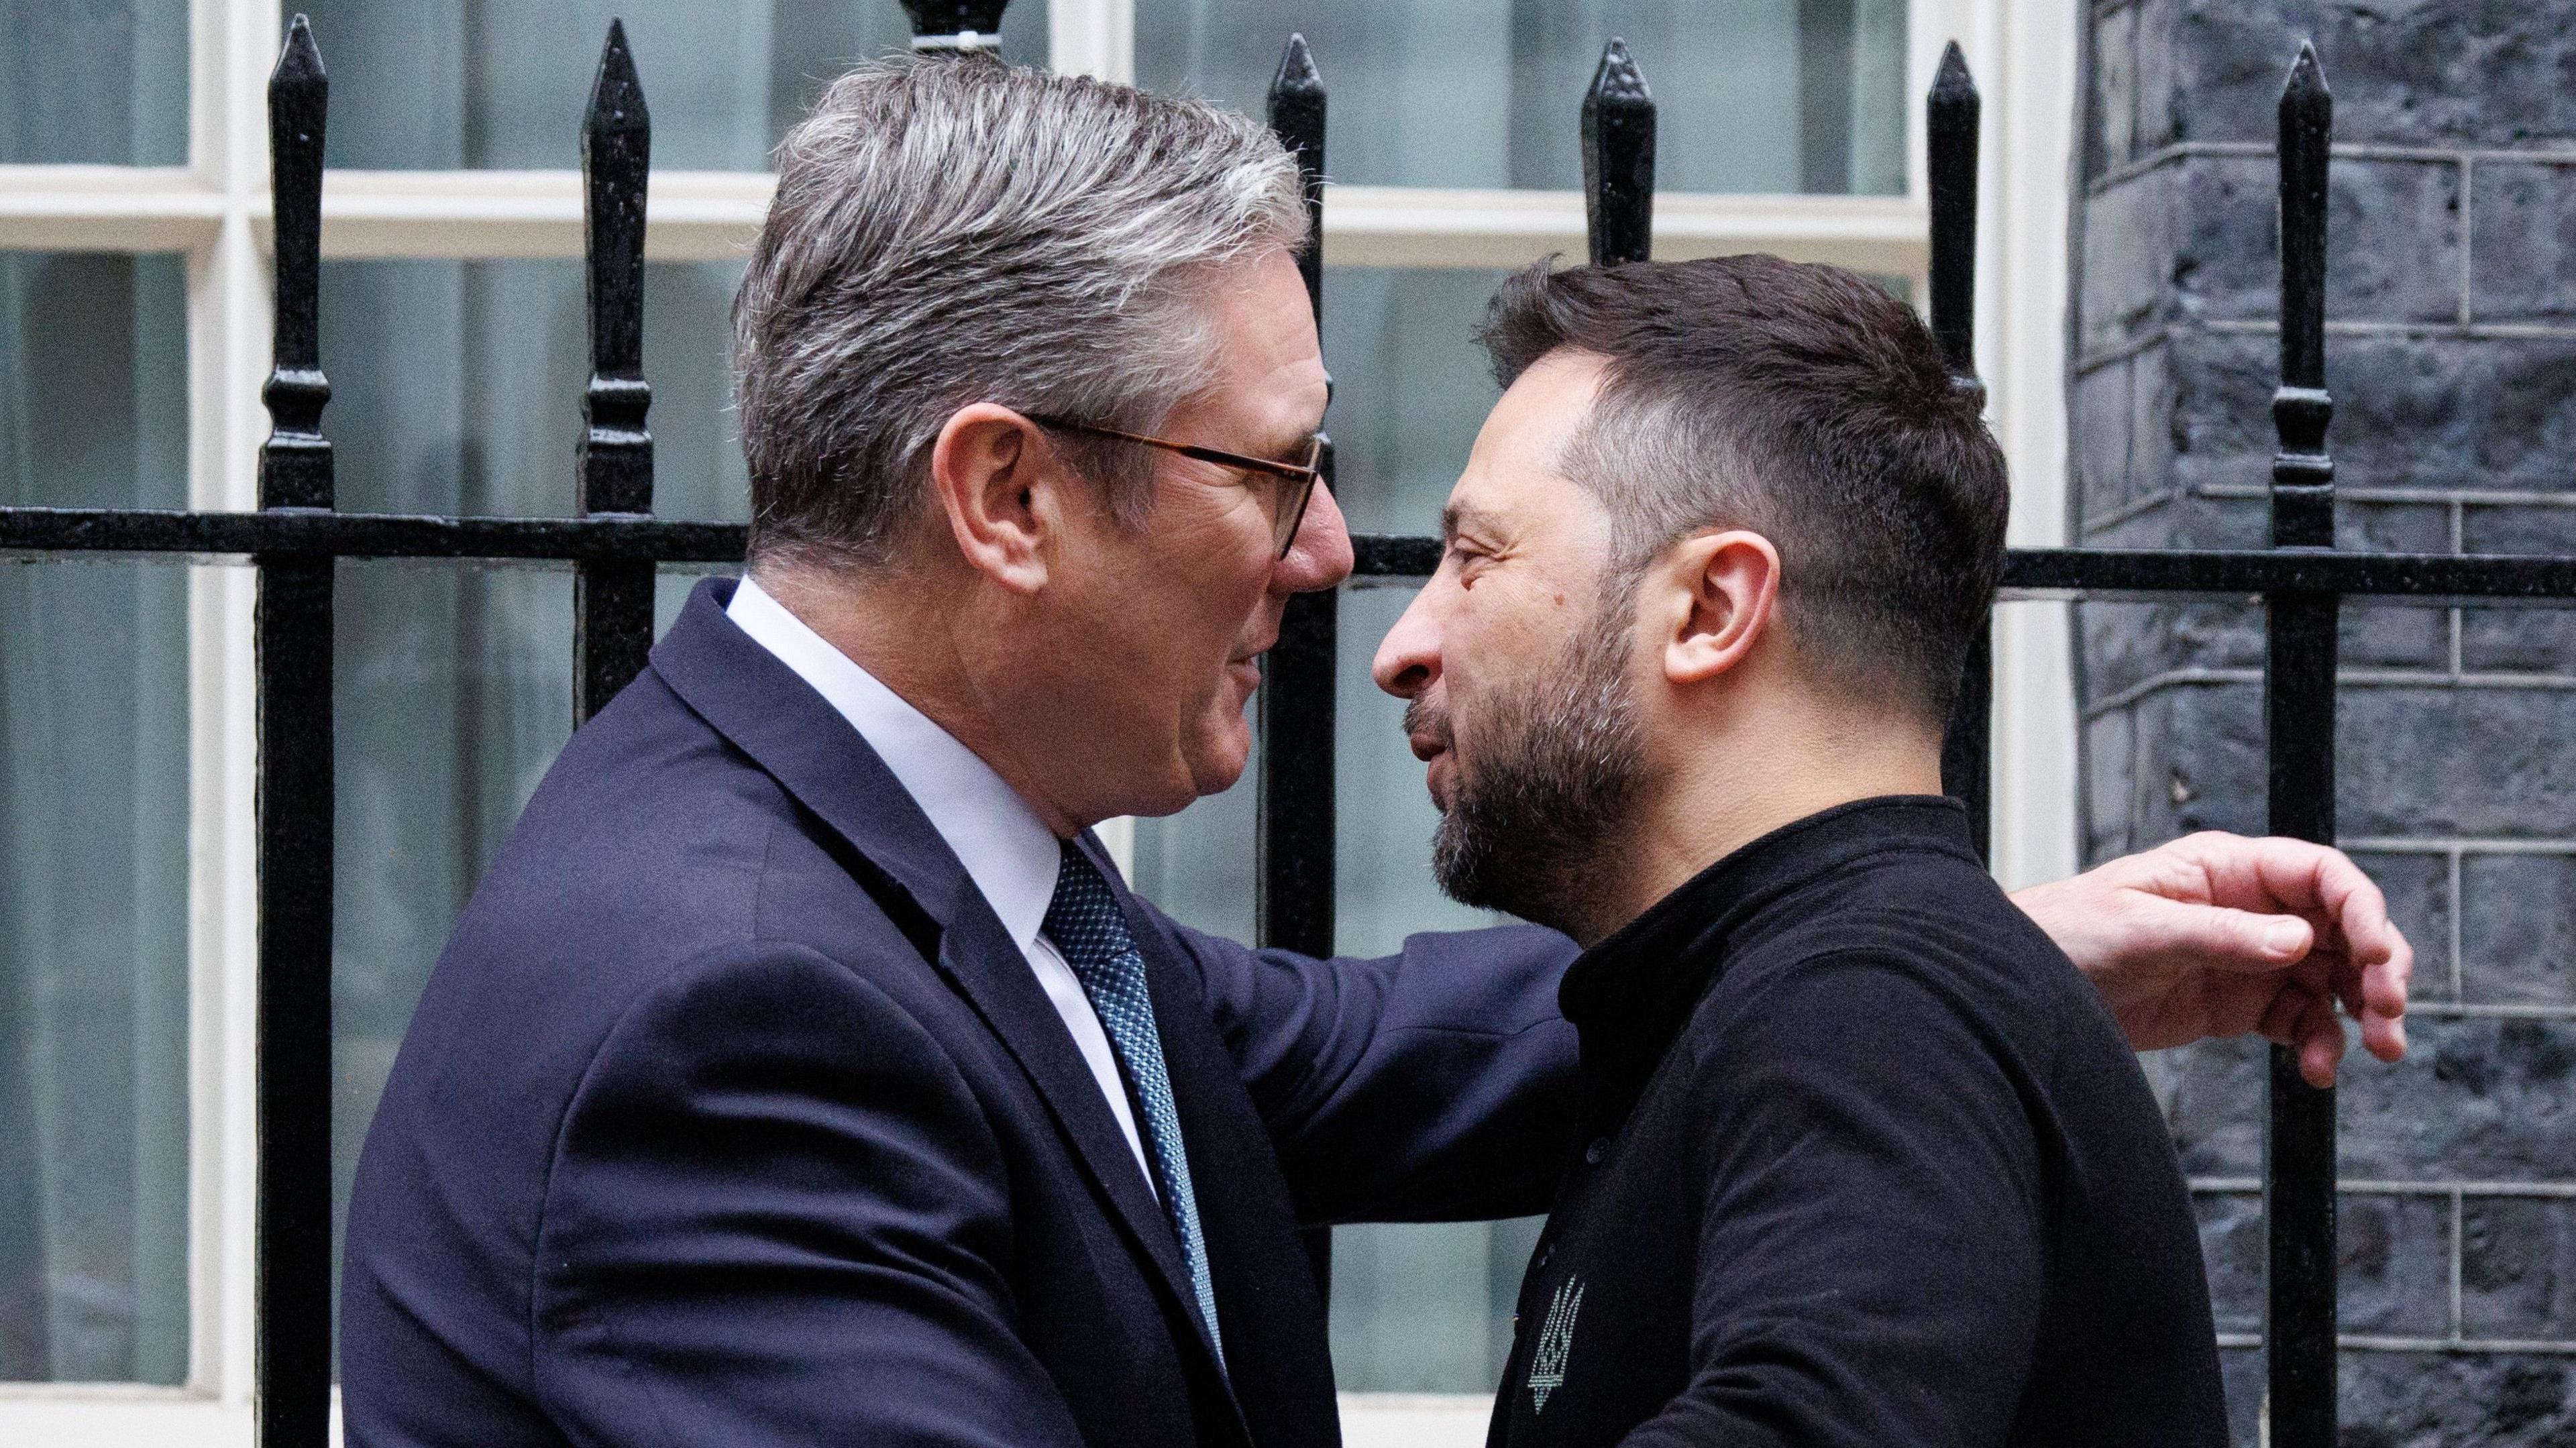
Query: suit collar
x: 1006, y: 849
x: 766, y: 710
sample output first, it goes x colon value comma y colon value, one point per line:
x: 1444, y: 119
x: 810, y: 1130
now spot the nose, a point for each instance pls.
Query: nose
x: 1408, y: 660
x: 1319, y: 557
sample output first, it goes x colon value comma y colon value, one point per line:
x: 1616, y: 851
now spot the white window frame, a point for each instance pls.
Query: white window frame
x: 215, y: 211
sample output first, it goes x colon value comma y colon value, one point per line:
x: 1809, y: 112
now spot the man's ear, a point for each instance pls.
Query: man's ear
x: 1003, y: 492
x: 1724, y: 590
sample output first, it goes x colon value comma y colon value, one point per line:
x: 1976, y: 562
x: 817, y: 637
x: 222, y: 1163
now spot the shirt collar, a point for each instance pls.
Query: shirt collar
x: 1629, y: 995
x: 1007, y: 850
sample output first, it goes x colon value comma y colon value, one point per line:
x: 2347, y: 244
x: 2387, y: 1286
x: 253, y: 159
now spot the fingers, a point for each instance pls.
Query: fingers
x: 2373, y: 961
x: 2305, y: 1020
x: 2321, y: 1041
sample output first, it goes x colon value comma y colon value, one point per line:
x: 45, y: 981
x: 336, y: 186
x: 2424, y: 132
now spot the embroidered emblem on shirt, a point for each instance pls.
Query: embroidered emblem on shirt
x: 1555, y: 1340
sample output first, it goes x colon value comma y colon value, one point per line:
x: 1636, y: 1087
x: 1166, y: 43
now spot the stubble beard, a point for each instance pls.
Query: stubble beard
x: 1533, y: 824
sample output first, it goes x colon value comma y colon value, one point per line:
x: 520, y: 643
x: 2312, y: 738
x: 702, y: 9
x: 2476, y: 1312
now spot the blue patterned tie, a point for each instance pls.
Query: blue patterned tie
x: 1085, y: 923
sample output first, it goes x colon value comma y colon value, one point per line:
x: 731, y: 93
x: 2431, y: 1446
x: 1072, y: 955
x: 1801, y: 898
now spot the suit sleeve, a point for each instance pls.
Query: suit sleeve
x: 1870, y: 1255
x: 776, y: 1215
x: 1436, y: 1084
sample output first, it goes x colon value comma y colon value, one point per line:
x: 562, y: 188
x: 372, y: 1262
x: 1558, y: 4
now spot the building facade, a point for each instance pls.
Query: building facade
x: 2451, y: 353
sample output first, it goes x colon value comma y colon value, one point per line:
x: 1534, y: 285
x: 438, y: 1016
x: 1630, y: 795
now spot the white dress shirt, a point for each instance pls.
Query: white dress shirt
x: 1007, y: 850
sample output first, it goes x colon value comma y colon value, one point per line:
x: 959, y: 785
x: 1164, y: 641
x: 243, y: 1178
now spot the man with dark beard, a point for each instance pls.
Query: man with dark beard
x: 1862, y: 1159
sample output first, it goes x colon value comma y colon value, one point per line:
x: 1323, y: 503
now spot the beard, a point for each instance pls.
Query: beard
x: 1533, y: 820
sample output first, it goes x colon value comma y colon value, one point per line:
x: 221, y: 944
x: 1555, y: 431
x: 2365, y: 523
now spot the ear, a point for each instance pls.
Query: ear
x: 1003, y: 491
x: 1724, y: 590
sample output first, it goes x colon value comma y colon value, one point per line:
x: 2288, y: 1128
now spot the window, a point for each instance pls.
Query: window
x: 132, y: 288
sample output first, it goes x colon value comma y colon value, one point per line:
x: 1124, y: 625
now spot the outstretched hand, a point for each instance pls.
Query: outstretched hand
x: 2217, y: 935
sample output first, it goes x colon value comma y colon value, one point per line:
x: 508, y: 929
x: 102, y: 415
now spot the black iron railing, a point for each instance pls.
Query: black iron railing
x: 296, y: 538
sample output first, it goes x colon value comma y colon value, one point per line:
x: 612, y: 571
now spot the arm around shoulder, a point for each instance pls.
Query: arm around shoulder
x: 775, y: 1214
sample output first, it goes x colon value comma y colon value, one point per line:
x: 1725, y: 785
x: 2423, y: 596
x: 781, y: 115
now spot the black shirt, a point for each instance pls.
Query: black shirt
x: 1864, y: 1160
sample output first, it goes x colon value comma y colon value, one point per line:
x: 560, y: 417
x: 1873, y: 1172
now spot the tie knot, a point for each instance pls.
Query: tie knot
x: 1083, y: 918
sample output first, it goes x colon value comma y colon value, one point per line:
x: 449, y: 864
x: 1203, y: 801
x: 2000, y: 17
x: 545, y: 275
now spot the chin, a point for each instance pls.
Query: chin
x: 1217, y: 762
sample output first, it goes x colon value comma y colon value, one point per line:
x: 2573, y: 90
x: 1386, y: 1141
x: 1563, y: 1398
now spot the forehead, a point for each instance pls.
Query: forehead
x: 1516, y: 468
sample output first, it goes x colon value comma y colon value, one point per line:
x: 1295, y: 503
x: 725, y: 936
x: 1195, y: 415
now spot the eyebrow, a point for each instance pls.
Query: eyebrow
x: 1453, y: 516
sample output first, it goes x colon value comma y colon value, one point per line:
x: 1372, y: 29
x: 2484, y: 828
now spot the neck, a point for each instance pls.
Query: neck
x: 1725, y: 793
x: 916, y: 636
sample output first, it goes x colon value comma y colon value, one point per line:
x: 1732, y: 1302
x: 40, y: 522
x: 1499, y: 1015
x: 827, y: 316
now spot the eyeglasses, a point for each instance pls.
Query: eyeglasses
x: 1287, y: 501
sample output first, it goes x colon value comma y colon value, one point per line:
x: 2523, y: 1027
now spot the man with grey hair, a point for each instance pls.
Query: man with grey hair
x: 802, y: 1071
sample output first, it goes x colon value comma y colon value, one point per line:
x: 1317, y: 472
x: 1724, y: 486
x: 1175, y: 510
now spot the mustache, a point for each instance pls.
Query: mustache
x: 1424, y: 719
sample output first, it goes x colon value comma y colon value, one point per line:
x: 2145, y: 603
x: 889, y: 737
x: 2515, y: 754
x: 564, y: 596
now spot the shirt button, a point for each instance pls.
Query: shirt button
x: 1599, y: 1148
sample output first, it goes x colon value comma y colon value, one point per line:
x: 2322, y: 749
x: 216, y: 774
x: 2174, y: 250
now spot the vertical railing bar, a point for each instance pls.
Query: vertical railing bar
x: 292, y: 632
x: 956, y: 27
x: 2299, y: 721
x: 613, y: 601
x: 1953, y: 109
x: 1293, y: 840
x: 1618, y: 160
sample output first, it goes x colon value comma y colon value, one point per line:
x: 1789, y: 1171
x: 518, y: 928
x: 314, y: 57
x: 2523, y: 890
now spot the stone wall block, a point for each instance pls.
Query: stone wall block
x: 2418, y: 887
x: 2415, y: 72
x: 2201, y: 761
x: 2478, y: 1098
x: 2128, y: 254
x: 2518, y: 640
x: 2128, y: 644
x: 2214, y: 1103
x: 2393, y: 239
x: 2240, y: 1372
x: 2108, y: 828
x: 2098, y: 431
x: 2394, y: 1253
x: 2155, y: 74
x: 2518, y: 1267
x: 2524, y: 267
x: 2232, y: 1248
x: 2418, y: 1400
x: 2518, y: 931
x: 2114, y: 129
x: 2525, y: 433
x: 2448, y: 761
x: 2390, y: 635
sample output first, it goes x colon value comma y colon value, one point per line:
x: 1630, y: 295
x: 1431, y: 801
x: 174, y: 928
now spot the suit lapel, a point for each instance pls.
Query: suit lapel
x: 757, y: 702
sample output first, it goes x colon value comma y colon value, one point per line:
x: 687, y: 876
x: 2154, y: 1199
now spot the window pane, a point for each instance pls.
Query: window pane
x: 93, y: 834
x: 456, y: 386
x: 100, y: 84
x: 445, y: 83
x: 1752, y: 95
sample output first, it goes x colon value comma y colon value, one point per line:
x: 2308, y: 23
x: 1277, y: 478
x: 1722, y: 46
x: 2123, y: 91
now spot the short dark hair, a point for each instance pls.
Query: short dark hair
x: 1801, y: 402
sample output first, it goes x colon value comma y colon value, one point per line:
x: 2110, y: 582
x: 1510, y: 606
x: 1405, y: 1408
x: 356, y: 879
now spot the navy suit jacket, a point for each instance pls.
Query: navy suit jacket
x: 732, y: 1115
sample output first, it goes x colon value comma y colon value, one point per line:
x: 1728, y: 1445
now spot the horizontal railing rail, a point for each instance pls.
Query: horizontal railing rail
x: 615, y: 545
x: 1383, y: 559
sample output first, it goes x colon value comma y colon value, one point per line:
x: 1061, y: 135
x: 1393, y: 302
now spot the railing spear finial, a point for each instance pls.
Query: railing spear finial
x: 1297, y: 119
x: 1952, y: 111
x: 295, y: 462
x: 956, y: 27
x: 2302, y: 473
x: 616, y: 160
x: 613, y: 601
x: 1619, y: 160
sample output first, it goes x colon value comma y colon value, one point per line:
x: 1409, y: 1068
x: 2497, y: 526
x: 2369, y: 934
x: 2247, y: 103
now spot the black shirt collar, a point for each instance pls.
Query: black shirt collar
x: 1629, y: 995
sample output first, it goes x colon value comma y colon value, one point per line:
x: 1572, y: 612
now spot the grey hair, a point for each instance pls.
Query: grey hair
x: 947, y: 232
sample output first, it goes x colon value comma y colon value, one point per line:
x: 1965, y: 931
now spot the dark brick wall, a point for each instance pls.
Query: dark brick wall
x: 2452, y: 356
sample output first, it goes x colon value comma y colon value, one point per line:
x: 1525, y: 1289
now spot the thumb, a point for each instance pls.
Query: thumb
x: 2217, y: 937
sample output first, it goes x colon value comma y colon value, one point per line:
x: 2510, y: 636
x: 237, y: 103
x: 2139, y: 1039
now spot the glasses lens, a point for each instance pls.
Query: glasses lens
x: 1294, y: 493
